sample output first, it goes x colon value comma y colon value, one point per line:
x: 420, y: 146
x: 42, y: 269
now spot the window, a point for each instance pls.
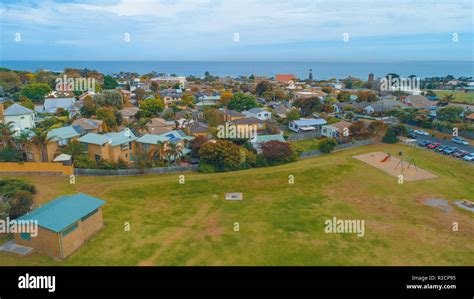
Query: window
x: 97, y: 158
x: 69, y: 230
x: 25, y: 236
x: 124, y: 146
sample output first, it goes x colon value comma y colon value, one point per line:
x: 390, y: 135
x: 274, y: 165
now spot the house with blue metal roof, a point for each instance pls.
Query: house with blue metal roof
x: 57, y: 138
x: 63, y: 224
x: 151, y: 142
x: 112, y: 146
x: 307, y: 124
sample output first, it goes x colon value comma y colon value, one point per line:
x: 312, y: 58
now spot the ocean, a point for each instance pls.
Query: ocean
x: 320, y: 70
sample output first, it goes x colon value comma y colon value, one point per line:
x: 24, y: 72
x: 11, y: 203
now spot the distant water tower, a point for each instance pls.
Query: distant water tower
x: 310, y: 74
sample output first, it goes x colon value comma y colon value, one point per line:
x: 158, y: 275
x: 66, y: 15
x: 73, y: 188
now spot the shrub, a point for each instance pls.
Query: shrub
x: 206, y: 168
x: 17, y: 197
x: 277, y: 152
x: 327, y: 145
x: 223, y: 155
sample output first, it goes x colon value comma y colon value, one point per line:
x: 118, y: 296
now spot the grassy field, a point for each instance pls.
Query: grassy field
x: 460, y: 97
x: 306, y: 145
x: 280, y: 224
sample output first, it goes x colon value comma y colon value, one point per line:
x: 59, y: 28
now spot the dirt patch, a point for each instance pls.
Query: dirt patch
x: 394, y: 167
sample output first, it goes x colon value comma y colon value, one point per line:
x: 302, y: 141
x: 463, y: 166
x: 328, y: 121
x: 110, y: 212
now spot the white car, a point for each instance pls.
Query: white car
x: 421, y: 132
x: 469, y: 157
x: 459, y: 140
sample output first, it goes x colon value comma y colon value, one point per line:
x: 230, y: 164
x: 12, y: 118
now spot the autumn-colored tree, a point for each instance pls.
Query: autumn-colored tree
x: 377, y: 128
x: 223, y: 155
x: 357, y: 128
x: 366, y: 96
x: 277, y: 152
x: 226, y: 96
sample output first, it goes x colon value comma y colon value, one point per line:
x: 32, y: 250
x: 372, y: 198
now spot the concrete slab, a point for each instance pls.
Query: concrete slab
x: 11, y: 246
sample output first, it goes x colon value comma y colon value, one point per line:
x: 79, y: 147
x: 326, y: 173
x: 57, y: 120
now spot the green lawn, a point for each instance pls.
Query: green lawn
x: 306, y: 145
x: 460, y: 97
x: 280, y: 224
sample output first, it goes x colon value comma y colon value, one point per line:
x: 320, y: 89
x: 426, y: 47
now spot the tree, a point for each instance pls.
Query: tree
x: 366, y: 96
x: 377, y: 128
x: 262, y: 87
x: 10, y: 81
x: 293, y: 115
x: 390, y: 136
x: 109, y: 82
x: 174, y: 152
x: 10, y: 154
x: 189, y: 100
x: 154, y: 86
x: 308, y: 105
x: 25, y: 102
x: 327, y: 89
x: 226, y: 97
x: 223, y: 155
x: 195, y: 145
x: 277, y: 152
x: 357, y: 128
x: 40, y: 139
x: 142, y: 160
x: 139, y: 94
x: 73, y: 148
x: 213, y: 117
x: 17, y: 196
x: 161, y: 151
x: 107, y: 115
x: 241, y: 101
x: 6, y: 134
x: 343, y: 96
x: 109, y: 98
x: 327, y: 145
x: 89, y: 107
x: 36, y: 91
x: 450, y: 114
x: 152, y: 107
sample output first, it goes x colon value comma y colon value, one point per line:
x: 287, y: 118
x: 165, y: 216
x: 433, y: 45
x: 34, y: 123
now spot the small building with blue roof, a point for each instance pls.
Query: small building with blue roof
x: 63, y: 224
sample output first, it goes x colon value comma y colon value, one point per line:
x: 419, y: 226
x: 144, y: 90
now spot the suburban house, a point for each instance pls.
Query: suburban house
x: 169, y: 97
x: 64, y: 224
x: 284, y: 78
x: 89, y: 125
x: 207, y: 100
x: 231, y: 115
x: 244, y: 124
x: 280, y: 110
x: 258, y: 113
x: 150, y: 143
x: 260, y: 139
x: 418, y: 101
x: 170, y: 80
x: 113, y: 146
x: 21, y: 117
x: 198, y: 129
x: 51, y: 105
x: 128, y: 114
x: 307, y: 124
x: 157, y: 126
x: 56, y: 138
x: 336, y: 130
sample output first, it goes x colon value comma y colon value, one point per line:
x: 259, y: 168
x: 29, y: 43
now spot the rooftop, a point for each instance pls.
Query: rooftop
x: 64, y: 211
x: 17, y: 109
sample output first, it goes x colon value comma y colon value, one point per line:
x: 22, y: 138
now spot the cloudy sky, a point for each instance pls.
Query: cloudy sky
x: 273, y: 30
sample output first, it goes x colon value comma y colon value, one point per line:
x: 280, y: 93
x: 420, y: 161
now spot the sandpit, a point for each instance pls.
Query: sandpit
x: 411, y: 173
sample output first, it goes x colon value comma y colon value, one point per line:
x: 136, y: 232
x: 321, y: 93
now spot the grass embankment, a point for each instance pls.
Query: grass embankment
x: 280, y: 224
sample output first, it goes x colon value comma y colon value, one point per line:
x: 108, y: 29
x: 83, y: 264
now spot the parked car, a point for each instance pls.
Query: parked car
x: 469, y: 157
x: 433, y: 145
x: 421, y: 132
x: 460, y: 154
x: 459, y: 140
x: 441, y: 148
x: 412, y: 135
x: 424, y: 143
x: 450, y: 150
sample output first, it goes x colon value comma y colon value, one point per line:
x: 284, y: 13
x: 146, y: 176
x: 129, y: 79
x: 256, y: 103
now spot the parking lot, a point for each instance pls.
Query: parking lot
x: 449, y: 143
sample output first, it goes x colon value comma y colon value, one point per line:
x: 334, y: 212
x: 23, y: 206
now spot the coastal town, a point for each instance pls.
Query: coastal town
x: 80, y: 123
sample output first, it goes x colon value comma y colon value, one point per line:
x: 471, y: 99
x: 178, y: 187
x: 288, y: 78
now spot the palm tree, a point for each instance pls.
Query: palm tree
x: 73, y: 148
x: 161, y: 151
x: 21, y: 142
x: 40, y: 138
x: 175, y: 150
x: 7, y: 134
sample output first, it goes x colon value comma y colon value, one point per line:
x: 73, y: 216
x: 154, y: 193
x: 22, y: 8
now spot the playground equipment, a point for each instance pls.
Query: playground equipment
x: 387, y: 157
x: 401, y: 163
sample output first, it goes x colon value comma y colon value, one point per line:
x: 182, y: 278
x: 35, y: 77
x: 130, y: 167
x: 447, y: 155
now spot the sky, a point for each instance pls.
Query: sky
x: 237, y: 30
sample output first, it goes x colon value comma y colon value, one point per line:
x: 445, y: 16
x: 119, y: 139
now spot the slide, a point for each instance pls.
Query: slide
x: 385, y: 159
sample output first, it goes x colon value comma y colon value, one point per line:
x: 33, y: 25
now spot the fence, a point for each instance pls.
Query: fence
x: 35, y: 167
x: 134, y: 171
x: 303, y: 136
x: 316, y: 153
